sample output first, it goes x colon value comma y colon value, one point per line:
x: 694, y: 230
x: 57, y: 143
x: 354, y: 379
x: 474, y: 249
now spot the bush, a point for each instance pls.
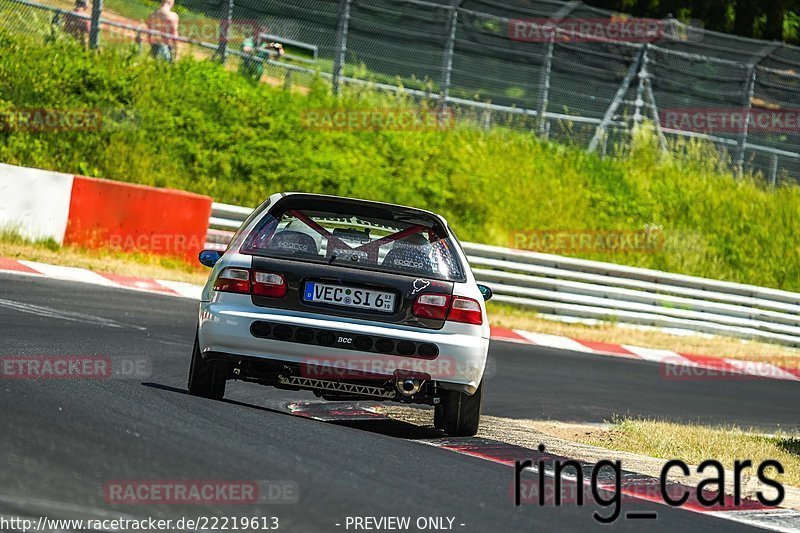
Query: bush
x: 196, y: 126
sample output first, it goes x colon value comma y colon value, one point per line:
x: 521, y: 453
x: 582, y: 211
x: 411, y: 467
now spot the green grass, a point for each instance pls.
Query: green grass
x: 197, y: 127
x: 12, y: 237
x: 14, y: 246
x: 694, y: 444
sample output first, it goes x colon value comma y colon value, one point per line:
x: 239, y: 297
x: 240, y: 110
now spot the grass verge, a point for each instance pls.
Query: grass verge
x: 694, y: 444
x: 137, y: 264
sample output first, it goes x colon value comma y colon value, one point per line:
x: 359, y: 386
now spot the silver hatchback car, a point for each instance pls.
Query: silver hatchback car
x: 351, y: 299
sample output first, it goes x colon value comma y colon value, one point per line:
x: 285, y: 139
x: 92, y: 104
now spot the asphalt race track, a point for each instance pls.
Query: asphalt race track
x: 63, y: 440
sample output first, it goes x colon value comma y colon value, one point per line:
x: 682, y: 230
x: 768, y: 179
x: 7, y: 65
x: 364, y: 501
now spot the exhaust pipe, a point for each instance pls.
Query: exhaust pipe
x: 409, y: 386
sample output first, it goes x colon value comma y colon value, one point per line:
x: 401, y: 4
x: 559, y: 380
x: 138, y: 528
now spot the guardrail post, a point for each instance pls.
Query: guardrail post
x: 222, y: 51
x: 447, y: 63
x: 341, y: 43
x: 751, y: 82
x: 94, y: 30
x: 544, y: 81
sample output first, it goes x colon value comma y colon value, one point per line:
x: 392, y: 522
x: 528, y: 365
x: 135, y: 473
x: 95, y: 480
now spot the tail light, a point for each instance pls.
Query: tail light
x: 242, y: 281
x: 452, y: 308
x: 233, y: 280
x: 431, y: 306
x: 269, y: 284
x: 465, y: 310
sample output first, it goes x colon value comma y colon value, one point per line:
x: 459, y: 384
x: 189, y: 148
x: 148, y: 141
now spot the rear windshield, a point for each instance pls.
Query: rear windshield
x: 415, y: 247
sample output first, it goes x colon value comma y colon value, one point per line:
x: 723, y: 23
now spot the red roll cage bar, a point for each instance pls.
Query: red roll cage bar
x: 368, y: 247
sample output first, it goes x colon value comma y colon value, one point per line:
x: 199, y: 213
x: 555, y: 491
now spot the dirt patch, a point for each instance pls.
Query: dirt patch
x: 572, y: 431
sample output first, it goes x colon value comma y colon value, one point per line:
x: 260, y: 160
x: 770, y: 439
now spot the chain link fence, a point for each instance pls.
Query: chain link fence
x: 563, y: 70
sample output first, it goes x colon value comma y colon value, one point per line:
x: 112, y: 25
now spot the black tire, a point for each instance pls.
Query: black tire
x: 206, y: 378
x: 461, y: 413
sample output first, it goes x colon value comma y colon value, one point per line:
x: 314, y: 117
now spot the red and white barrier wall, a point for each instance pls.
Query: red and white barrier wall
x: 34, y: 203
x: 92, y: 212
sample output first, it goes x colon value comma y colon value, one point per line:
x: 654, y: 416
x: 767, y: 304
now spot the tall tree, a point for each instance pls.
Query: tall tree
x: 750, y: 18
x: 776, y: 12
x: 746, y: 13
x: 713, y: 13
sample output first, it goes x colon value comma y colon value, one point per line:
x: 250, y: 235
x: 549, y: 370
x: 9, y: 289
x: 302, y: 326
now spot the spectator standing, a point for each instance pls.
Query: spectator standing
x: 251, y: 67
x: 165, y: 21
x: 77, y: 22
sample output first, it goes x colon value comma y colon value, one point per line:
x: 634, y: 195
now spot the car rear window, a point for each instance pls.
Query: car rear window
x: 398, y: 245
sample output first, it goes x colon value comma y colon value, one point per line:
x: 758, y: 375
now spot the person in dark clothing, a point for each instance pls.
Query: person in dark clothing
x: 77, y: 23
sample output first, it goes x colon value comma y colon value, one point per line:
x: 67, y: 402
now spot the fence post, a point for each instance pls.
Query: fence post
x: 447, y: 63
x: 637, y: 114
x: 544, y: 81
x: 341, y: 43
x: 600, y: 132
x: 646, y: 90
x: 487, y: 119
x: 774, y: 173
x: 748, y: 105
x: 662, y: 139
x: 94, y: 29
x: 222, y: 50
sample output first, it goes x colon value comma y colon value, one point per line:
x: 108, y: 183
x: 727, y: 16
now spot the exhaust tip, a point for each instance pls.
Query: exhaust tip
x: 409, y: 386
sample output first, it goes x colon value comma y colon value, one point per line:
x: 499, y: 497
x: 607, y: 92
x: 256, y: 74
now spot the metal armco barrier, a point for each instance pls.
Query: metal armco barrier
x: 578, y: 288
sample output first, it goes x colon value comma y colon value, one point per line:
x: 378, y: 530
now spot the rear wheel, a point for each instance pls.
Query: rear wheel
x: 461, y: 413
x: 206, y: 378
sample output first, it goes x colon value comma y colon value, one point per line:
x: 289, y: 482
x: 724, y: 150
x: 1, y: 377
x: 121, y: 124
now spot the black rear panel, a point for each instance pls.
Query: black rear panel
x: 405, y: 288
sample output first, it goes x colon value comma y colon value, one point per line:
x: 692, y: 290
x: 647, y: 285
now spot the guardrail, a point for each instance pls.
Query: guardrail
x: 578, y: 288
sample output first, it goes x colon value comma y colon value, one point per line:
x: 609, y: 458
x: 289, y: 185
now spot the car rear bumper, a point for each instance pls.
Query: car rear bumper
x: 459, y: 365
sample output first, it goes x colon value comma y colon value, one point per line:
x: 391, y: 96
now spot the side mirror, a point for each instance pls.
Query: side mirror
x: 486, y: 292
x: 209, y: 258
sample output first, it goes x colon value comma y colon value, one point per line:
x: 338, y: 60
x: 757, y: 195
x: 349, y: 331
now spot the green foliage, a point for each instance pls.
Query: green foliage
x: 11, y: 235
x: 195, y: 126
x: 764, y: 19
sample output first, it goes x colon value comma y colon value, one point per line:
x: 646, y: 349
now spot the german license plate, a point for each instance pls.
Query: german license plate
x: 349, y: 297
